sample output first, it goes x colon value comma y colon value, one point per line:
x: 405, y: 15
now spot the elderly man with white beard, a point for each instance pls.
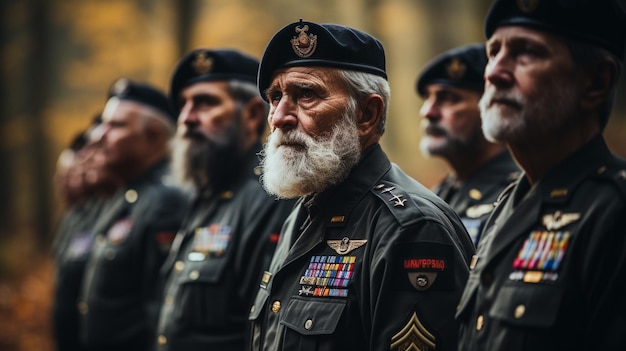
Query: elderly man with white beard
x: 369, y: 259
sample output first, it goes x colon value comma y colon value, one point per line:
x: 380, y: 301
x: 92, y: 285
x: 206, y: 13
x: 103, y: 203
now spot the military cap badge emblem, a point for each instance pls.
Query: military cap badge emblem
x: 304, y: 44
x: 202, y: 63
x: 456, y: 69
x: 527, y: 6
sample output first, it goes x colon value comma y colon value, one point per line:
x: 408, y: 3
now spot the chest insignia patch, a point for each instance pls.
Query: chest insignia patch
x: 119, y: 231
x: 540, y: 257
x: 413, y: 337
x: 327, y: 276
x: 212, y: 240
x: 345, y: 245
x: 80, y: 245
x: 558, y: 220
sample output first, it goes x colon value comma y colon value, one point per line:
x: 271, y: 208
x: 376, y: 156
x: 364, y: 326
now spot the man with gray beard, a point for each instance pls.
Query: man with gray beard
x: 451, y: 86
x: 551, y: 264
x: 232, y: 228
x: 369, y: 259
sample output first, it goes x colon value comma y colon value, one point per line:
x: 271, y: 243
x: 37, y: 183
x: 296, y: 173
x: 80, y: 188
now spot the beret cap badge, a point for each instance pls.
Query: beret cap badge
x: 304, y: 44
x: 120, y: 87
x: 202, y: 63
x: 527, y: 6
x: 456, y: 69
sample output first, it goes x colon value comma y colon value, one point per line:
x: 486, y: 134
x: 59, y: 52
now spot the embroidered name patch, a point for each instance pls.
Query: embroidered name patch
x: 327, y: 276
x: 423, y: 266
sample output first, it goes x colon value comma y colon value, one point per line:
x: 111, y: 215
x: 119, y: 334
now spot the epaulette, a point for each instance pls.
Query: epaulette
x: 396, y: 199
x: 615, y: 173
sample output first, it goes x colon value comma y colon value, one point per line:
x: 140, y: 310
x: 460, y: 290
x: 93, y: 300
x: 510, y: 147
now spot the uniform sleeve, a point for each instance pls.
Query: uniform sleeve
x: 416, y: 276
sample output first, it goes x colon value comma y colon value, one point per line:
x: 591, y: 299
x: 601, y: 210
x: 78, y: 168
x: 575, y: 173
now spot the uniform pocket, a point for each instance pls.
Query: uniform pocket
x: 527, y: 305
x: 308, y: 321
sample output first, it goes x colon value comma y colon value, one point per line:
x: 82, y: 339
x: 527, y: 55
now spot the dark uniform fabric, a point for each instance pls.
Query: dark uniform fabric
x: 473, y: 200
x: 551, y: 266
x: 379, y: 264
x: 216, y: 263
x: 71, y: 251
x: 119, y: 297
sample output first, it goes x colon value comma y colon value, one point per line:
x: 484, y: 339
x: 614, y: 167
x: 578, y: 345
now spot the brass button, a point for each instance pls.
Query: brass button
x: 519, y: 311
x: 162, y: 340
x: 169, y: 300
x: 193, y: 275
x: 308, y: 324
x: 82, y: 307
x: 131, y: 196
x: 179, y: 266
x: 475, y: 194
x: 480, y: 322
x: 276, y: 306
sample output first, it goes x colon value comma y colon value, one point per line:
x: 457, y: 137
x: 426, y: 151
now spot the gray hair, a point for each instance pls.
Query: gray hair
x: 242, y: 92
x: 362, y: 84
x: 587, y: 55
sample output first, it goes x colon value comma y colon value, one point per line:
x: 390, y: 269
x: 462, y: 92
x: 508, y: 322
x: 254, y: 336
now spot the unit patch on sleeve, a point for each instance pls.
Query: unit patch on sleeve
x: 413, y: 337
x: 423, y: 266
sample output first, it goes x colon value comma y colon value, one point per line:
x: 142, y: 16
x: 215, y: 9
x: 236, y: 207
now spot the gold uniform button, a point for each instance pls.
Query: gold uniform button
x: 519, y: 311
x: 162, y: 340
x: 276, y: 306
x: 131, y: 196
x: 179, y: 266
x: 308, y: 324
x: 82, y: 307
x: 193, y: 275
x: 169, y: 300
x: 480, y: 322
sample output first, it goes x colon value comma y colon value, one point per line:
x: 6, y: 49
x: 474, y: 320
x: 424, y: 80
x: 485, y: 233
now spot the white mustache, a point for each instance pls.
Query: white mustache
x: 492, y: 95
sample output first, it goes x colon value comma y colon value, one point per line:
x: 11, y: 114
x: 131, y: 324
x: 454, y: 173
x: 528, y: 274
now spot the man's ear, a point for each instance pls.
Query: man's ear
x: 602, y: 78
x: 368, y: 119
x: 253, y: 114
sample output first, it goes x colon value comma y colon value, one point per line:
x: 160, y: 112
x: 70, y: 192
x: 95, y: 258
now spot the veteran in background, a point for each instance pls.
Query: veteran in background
x: 232, y: 228
x: 550, y: 268
x: 369, y: 259
x: 451, y: 86
x: 119, y: 295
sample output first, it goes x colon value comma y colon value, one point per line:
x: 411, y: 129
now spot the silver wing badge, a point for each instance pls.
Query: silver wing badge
x: 345, y: 245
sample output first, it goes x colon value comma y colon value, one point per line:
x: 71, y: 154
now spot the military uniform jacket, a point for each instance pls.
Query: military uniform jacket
x: 71, y: 250
x: 379, y: 265
x: 473, y: 200
x: 215, y: 265
x: 551, y: 266
x: 119, y: 295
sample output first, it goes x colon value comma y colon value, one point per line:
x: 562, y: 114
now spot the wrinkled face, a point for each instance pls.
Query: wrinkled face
x: 209, y: 133
x: 531, y: 86
x: 451, y: 123
x: 124, y: 139
x: 314, y: 141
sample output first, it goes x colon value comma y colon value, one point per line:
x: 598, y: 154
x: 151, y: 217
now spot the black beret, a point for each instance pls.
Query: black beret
x: 204, y: 65
x: 598, y: 22
x: 330, y: 45
x: 125, y: 89
x: 461, y: 67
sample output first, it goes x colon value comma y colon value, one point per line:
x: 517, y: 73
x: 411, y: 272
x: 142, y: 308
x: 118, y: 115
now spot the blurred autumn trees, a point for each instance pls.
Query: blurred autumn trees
x: 58, y: 58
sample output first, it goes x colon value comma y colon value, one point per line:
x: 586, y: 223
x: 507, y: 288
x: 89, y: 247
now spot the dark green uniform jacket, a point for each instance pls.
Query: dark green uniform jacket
x: 473, y: 200
x: 550, y: 271
x: 120, y: 292
x: 71, y: 250
x: 378, y: 265
x: 216, y: 262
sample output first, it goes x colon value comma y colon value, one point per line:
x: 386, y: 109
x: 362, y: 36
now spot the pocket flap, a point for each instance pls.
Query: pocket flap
x: 535, y: 305
x: 309, y: 317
